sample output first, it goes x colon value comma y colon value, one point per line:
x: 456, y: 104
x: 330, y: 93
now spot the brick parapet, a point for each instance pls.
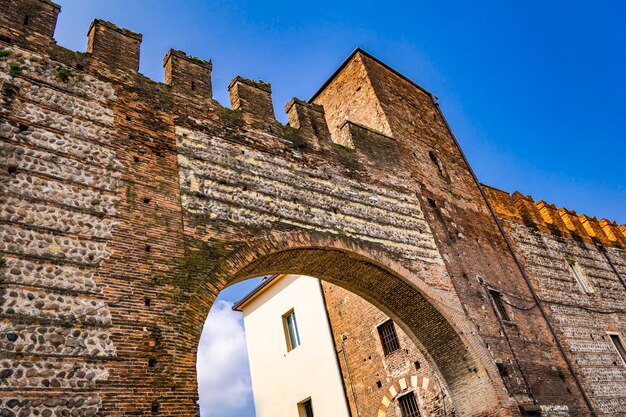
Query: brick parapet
x: 556, y: 221
x: 113, y: 47
x: 188, y: 75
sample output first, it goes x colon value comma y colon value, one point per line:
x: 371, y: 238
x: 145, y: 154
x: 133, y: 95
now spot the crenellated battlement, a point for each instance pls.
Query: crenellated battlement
x: 113, y: 47
x: 114, y: 53
x: 28, y: 22
x: 254, y: 99
x: 188, y: 75
x: 548, y: 218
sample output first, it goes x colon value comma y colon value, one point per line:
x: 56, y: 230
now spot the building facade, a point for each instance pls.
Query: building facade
x: 293, y: 365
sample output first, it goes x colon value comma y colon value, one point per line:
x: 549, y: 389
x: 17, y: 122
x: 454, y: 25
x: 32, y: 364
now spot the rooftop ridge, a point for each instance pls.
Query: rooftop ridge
x: 359, y: 50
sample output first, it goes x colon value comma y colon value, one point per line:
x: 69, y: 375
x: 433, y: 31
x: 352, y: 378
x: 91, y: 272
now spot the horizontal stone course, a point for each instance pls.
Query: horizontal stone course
x: 38, y: 303
x: 15, y: 210
x: 39, y: 244
x: 47, y: 164
x: 16, y: 373
x: 49, y: 190
x: 84, y: 129
x: 54, y: 340
x: 24, y: 405
x: 61, y: 144
x: 61, y: 101
x: 42, y: 273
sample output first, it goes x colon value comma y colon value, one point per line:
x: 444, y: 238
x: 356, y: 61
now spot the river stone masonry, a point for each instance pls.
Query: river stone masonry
x: 57, y: 211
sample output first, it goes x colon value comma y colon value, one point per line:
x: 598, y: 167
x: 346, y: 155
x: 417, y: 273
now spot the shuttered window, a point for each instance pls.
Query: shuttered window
x: 619, y: 346
x: 579, y: 276
x: 498, y: 304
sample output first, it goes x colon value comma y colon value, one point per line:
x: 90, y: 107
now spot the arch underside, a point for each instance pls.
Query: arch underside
x: 442, y: 333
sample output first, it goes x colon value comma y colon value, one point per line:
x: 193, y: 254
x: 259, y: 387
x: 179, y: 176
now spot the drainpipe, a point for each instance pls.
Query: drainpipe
x: 603, y: 251
x: 443, y: 395
x: 343, y: 352
x: 521, y: 268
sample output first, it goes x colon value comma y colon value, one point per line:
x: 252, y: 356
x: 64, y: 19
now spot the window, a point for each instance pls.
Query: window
x: 408, y: 405
x: 305, y: 408
x: 498, y: 304
x: 388, y: 337
x: 291, y: 330
x: 619, y: 345
x: 579, y: 277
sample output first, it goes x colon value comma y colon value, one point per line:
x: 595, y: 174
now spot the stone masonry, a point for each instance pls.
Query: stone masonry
x: 126, y: 205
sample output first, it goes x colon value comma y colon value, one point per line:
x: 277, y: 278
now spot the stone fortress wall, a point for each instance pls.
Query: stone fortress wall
x: 128, y: 204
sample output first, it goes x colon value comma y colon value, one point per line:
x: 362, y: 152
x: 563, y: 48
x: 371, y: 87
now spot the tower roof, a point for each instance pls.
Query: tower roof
x: 366, y: 54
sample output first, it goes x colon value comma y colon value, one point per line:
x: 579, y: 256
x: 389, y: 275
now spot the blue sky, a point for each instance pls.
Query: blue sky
x: 535, y: 91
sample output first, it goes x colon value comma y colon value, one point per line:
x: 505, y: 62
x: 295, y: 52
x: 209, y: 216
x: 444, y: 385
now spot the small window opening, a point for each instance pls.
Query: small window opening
x: 26, y: 20
x: 618, y: 344
x: 22, y: 127
x: 388, y: 337
x: 12, y: 169
x: 579, y: 277
x: 408, y: 405
x: 80, y: 67
x: 379, y: 384
x: 530, y: 410
x: 498, y: 304
x: 417, y: 365
x: 147, y: 301
x: 436, y: 161
x: 146, y: 200
x: 148, y: 248
x: 305, y: 408
x: 152, y: 362
x: 291, y: 330
x: 155, y: 407
x: 193, y: 85
x: 502, y: 369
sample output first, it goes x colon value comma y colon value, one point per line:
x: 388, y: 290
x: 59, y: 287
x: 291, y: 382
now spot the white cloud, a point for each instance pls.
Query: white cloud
x: 224, y: 383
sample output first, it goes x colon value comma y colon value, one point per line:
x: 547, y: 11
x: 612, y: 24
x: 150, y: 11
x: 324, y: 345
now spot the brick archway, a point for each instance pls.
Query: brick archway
x: 402, y: 386
x: 442, y: 332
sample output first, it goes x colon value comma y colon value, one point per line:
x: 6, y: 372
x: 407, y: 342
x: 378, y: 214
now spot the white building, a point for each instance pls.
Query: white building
x: 293, y: 363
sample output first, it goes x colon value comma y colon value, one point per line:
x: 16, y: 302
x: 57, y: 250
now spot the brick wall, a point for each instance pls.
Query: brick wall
x: 547, y: 238
x: 373, y: 381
